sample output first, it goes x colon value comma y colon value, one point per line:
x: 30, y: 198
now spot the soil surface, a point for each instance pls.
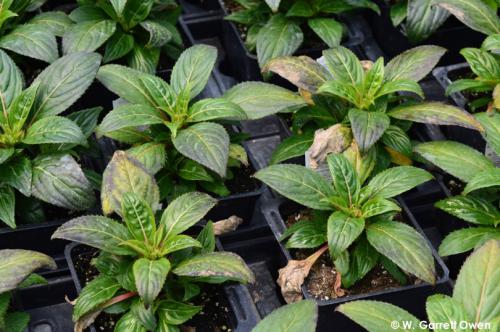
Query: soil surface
x: 466, y: 73
x: 242, y: 182
x: 213, y: 318
x: 321, y: 280
x: 453, y: 184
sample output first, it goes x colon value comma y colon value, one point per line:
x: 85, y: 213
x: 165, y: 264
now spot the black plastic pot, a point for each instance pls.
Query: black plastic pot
x: 243, y: 315
x: 453, y: 36
x: 467, y: 136
x: 399, y: 296
x: 200, y: 8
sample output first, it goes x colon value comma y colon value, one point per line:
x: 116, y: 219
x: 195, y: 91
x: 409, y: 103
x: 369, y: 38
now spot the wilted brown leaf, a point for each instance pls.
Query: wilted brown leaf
x: 332, y: 140
x: 227, y: 225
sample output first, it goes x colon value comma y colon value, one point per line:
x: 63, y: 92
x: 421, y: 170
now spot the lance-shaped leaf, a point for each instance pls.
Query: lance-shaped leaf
x: 486, y: 179
x: 344, y: 65
x: 442, y: 309
x: 328, y: 29
x: 279, y: 37
x: 97, y: 292
x: 145, y: 317
x: 477, y: 283
x: 179, y: 242
x: 59, y: 180
x: 273, y: 4
x: 125, y: 174
x: 342, y: 232
x: 87, y: 36
x: 149, y: 277
x: 400, y: 86
x: 33, y: 41
x: 295, y: 317
x: 476, y: 14
x: 158, y: 34
x: 414, y: 64
x: 436, y: 113
x: 466, y: 239
x: 398, y: 140
x: 491, y: 125
x: 423, y: 19
x: 216, y: 267
x: 213, y: 109
x: 53, y: 129
x: 130, y: 322
x: 290, y: 147
x: 160, y: 92
x: 17, y: 264
x: 377, y: 206
x: 404, y: 246
x: 345, y: 180
x: 129, y: 115
x: 11, y: 78
x: 117, y: 46
x: 395, y: 181
x: 152, y: 155
x: 21, y: 107
x: 373, y: 79
x: 475, y: 210
x: 302, y: 71
x: 193, y: 68
x: 455, y: 158
x: 18, y: 174
x: 368, y: 127
x: 56, y: 22
x: 176, y: 313
x: 375, y: 316
x: 144, y: 59
x: 135, y: 11
x: 96, y: 231
x: 482, y: 63
x: 86, y: 119
x: 206, y: 143
x: 7, y: 206
x: 260, y: 99
x: 299, y: 184
x: 185, y: 211
x: 138, y: 217
x: 63, y: 82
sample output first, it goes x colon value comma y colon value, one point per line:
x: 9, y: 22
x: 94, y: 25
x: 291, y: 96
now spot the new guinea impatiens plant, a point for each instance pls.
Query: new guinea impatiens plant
x: 296, y: 317
x: 485, y: 64
x: 148, y: 269
x: 472, y: 307
x: 171, y: 133
x: 354, y: 221
x: 138, y: 31
x: 372, y: 100
x: 25, y: 32
x: 36, y: 143
x: 478, y: 203
x: 276, y: 28
x: 16, y: 271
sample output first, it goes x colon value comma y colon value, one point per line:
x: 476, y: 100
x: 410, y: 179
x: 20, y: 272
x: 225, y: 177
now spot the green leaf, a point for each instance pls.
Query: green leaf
x: 486, y: 179
x: 96, y: 231
x: 279, y: 37
x: 306, y: 234
x: 193, y: 68
x: 342, y: 232
x: 176, y: 313
x: 17, y: 264
x: 18, y: 174
x: 414, y: 64
x: 476, y: 287
x: 362, y: 260
x: 466, y: 84
x: 216, y: 267
x: 215, y: 109
x: 129, y: 323
x: 5, y: 154
x: 146, y: 317
x: 129, y: 115
x: 302, y: 71
x: 87, y: 13
x: 394, y: 181
x: 442, y: 309
x: 63, y: 82
x: 259, y: 99
x: 152, y: 155
x: 207, y: 238
x: 491, y: 43
x: 436, y: 113
x: 344, y: 65
x: 118, y: 6
x: 398, y: 13
x: 299, y: 184
x: 54, y: 129
x: 290, y: 147
x: 135, y: 11
x: 368, y: 127
x: 343, y: 90
x: 86, y: 119
x: 144, y: 59
x: 482, y: 63
x: 159, y: 92
x: 55, y: 22
x: 206, y: 143
x: 397, y: 139
x: 126, y: 83
x: 423, y: 19
x: 404, y: 246
x: 375, y: 316
x: 466, y: 239
x: 455, y: 158
x: 95, y: 293
x: 7, y: 206
x: 33, y: 41
x: 125, y: 174
x: 474, y: 13
x: 373, y: 79
x: 87, y: 36
x: 472, y: 209
x: 17, y: 321
x: 377, y: 206
x: 273, y: 4
x: 158, y: 34
x: 179, y: 242
x: 150, y: 276
x: 345, y: 181
x: 138, y: 217
x: 117, y: 46
x: 185, y: 211
x: 11, y: 78
x: 297, y: 317
x: 192, y: 171
x: 59, y: 180
x: 328, y: 29
x: 400, y: 86
x: 491, y: 125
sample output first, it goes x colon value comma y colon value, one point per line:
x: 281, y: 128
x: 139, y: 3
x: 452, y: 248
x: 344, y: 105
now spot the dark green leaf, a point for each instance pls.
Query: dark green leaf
x: 215, y: 109
x: 97, y: 292
x: 345, y: 181
x: 158, y: 34
x: 150, y: 276
x: 176, y: 313
x: 368, y: 127
x: 344, y: 65
x: 423, y: 19
x: 491, y: 125
x: 342, y: 232
x: 18, y: 174
x: 129, y: 115
x: 328, y: 29
x: 138, y: 217
x: 377, y: 206
x: 144, y: 59
x: 293, y: 146
x: 296, y: 317
x: 7, y: 206
x: 56, y: 22
x: 466, y: 239
x: 54, y: 129
x: 119, y: 45
x: 414, y: 64
x: 151, y: 155
x: 33, y: 41
x: 472, y: 209
x: 11, y: 78
x: 88, y: 36
x: 486, y: 179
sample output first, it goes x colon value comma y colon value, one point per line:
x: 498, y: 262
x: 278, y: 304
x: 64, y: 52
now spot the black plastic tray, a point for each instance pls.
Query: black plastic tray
x: 200, y: 8
x: 398, y: 296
